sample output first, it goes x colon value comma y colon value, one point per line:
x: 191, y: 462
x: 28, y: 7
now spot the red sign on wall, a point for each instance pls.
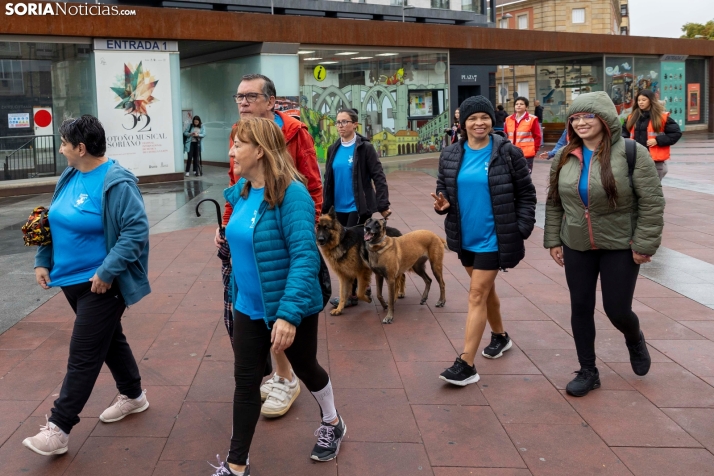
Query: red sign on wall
x: 693, y: 102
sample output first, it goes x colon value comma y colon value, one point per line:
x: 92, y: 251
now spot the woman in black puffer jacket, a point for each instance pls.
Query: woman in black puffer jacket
x: 485, y: 190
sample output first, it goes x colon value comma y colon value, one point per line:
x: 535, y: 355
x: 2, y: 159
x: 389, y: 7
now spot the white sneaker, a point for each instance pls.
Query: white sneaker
x: 49, y: 441
x: 123, y: 407
x: 187, y: 174
x: 281, y: 396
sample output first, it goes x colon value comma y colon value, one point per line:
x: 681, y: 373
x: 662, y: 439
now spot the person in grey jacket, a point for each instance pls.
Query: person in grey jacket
x: 96, y: 208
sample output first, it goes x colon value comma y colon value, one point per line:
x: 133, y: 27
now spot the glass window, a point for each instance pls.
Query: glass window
x: 623, y: 9
x: 557, y: 84
x: 696, y: 97
x: 403, y: 97
x: 41, y: 83
x: 471, y: 6
x: 444, y: 4
x: 623, y: 30
x: 523, y: 22
x: 578, y: 15
x: 620, y: 83
x: 523, y: 89
x: 503, y: 23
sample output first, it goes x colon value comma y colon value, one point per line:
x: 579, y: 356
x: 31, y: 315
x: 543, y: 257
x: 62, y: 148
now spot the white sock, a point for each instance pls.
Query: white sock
x: 236, y: 472
x: 326, y: 399
x: 53, y: 426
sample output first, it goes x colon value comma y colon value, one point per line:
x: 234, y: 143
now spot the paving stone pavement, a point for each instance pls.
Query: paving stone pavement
x: 402, y: 420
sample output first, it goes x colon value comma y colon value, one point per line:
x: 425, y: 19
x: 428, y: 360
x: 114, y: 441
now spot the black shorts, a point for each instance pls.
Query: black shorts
x: 482, y: 261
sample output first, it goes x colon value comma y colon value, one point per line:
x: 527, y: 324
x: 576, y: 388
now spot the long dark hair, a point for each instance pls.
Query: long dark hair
x: 199, y: 121
x: 602, y: 154
x: 656, y: 111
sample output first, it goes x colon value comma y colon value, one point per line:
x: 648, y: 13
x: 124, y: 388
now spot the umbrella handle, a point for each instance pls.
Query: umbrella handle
x: 218, y: 212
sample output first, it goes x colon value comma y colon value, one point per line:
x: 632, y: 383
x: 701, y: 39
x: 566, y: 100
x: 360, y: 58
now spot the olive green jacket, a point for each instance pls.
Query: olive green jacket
x: 638, y: 219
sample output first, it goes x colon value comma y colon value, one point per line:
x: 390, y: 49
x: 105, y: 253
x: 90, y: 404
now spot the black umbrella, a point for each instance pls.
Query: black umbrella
x: 224, y: 254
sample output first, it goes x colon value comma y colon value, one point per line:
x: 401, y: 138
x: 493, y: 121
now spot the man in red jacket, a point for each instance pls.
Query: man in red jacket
x: 256, y: 98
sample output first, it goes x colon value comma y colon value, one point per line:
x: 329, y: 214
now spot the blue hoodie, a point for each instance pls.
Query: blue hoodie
x: 285, y: 252
x: 126, y: 232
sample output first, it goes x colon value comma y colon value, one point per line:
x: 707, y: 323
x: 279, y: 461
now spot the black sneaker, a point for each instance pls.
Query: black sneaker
x: 586, y: 380
x: 223, y: 470
x: 460, y: 373
x: 329, y: 437
x: 499, y: 344
x: 351, y: 301
x: 640, y: 356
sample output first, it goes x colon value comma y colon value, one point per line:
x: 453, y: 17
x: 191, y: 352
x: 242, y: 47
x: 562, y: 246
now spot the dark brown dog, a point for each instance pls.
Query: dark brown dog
x: 345, y: 251
x: 390, y: 258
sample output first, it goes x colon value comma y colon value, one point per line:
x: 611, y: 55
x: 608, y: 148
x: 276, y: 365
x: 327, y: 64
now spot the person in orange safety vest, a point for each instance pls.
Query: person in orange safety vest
x: 524, y: 131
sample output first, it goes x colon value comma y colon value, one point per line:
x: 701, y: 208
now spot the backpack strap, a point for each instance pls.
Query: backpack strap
x: 631, y: 153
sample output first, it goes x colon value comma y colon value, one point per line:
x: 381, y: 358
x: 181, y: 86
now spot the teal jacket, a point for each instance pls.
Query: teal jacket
x: 126, y: 232
x: 285, y: 252
x: 187, y: 135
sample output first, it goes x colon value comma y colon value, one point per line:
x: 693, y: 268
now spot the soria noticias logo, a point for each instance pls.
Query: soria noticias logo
x: 63, y: 8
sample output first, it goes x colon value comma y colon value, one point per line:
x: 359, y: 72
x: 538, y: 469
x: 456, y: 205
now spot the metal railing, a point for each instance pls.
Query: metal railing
x: 29, y: 157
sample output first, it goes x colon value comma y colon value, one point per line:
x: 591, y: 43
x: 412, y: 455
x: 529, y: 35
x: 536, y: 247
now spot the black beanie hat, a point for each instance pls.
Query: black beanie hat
x: 473, y: 105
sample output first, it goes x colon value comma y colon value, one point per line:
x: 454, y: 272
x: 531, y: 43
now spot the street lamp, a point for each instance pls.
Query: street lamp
x: 405, y: 7
x: 504, y: 16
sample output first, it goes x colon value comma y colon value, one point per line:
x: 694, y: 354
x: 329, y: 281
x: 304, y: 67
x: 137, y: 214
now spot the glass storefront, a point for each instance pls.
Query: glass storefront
x: 401, y: 97
x: 40, y: 84
x: 557, y: 84
x: 680, y: 85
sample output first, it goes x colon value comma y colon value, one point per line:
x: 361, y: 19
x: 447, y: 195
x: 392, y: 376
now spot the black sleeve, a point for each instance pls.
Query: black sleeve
x: 671, y: 135
x: 625, y: 132
x: 376, y: 173
x: 525, y: 193
x: 328, y: 185
x: 441, y: 184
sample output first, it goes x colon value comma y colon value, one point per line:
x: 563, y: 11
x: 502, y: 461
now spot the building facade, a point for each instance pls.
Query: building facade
x: 146, y: 76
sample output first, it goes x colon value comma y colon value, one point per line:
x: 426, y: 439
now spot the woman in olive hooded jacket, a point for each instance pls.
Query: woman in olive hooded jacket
x: 598, y: 223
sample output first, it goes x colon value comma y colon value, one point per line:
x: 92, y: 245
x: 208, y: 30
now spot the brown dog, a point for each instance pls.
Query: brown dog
x: 390, y: 258
x: 345, y: 251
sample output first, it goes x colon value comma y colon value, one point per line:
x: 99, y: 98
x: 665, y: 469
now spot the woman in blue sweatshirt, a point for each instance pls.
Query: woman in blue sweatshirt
x: 99, y: 256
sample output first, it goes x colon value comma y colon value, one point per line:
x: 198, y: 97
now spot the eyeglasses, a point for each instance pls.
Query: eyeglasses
x: 250, y: 97
x: 584, y: 117
x: 343, y: 123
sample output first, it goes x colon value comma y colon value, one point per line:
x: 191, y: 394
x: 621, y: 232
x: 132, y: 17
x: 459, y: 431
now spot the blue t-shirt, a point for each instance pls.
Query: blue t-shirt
x: 78, y: 244
x: 278, y: 120
x: 239, y: 233
x: 478, y: 227
x: 342, y: 171
x: 585, y: 175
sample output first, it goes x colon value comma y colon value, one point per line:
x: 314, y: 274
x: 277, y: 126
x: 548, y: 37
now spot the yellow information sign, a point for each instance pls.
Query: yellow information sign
x: 319, y: 72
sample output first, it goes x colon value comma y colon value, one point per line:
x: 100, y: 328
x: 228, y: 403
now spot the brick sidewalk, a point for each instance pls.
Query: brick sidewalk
x: 402, y: 420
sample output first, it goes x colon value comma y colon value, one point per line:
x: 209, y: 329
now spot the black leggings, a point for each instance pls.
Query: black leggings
x: 618, y: 277
x: 251, y: 347
x: 352, y: 218
x: 97, y: 337
x: 348, y: 220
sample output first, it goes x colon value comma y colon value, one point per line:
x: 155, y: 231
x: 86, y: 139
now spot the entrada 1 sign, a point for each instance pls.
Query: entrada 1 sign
x: 142, y: 45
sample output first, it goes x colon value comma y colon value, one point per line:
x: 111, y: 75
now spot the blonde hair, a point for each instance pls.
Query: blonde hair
x: 279, y: 167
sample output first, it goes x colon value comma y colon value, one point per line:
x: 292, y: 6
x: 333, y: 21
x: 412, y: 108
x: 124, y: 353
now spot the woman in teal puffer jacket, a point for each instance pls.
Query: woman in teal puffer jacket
x: 275, y: 291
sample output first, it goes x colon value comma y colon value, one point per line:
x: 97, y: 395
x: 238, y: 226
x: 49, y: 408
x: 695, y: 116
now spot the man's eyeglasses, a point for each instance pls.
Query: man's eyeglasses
x: 585, y: 117
x: 343, y: 123
x: 250, y: 97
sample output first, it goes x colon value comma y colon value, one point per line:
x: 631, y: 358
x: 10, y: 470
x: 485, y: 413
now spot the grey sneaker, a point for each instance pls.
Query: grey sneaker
x: 329, y: 438
x: 124, y: 406
x: 223, y: 470
x: 49, y: 441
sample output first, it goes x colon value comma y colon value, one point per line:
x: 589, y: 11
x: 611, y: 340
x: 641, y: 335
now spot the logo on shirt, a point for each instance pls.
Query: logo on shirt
x: 252, y: 220
x: 82, y: 198
x: 350, y: 160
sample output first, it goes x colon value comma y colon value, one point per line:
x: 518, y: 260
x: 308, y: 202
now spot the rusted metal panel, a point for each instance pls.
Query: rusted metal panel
x: 169, y: 23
